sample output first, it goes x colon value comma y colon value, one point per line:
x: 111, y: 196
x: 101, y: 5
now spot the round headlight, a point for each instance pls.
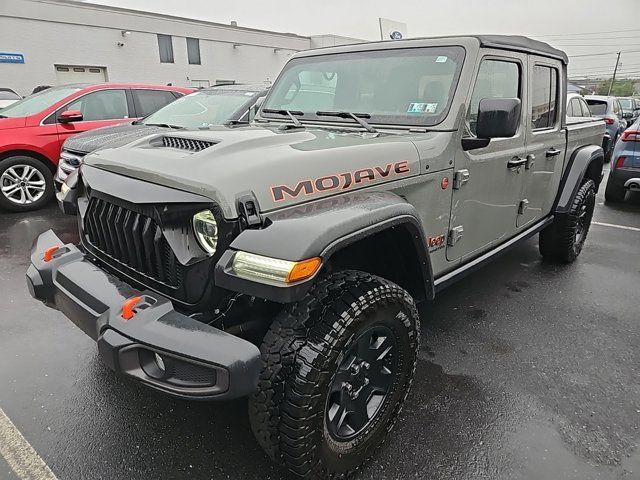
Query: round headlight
x: 205, y: 228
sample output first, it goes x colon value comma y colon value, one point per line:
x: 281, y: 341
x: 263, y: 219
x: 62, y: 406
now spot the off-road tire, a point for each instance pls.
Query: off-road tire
x: 562, y: 241
x: 614, y: 193
x: 43, y: 172
x: 301, y: 353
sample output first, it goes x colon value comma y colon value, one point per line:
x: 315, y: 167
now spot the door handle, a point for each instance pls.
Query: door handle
x: 516, y: 162
x: 553, y: 152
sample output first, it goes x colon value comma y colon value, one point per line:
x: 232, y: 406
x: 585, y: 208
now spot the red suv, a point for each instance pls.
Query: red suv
x: 33, y: 129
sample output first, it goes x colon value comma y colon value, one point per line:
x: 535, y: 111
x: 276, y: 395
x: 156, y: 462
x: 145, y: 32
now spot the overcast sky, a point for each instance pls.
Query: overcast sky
x: 580, y: 27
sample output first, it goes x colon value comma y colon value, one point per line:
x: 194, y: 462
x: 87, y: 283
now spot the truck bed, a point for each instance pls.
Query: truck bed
x: 582, y: 131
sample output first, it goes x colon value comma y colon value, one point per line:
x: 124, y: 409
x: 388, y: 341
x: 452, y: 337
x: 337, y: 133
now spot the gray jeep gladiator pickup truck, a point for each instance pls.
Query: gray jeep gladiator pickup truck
x: 283, y: 260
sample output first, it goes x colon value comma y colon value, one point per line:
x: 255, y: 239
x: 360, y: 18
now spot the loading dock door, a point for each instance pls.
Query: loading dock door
x: 80, y: 74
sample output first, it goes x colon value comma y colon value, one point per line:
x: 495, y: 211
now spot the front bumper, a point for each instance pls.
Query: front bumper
x: 196, y: 360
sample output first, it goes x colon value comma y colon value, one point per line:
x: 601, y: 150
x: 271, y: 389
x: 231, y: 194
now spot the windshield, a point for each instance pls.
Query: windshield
x: 411, y: 86
x: 626, y: 103
x: 38, y: 102
x: 203, y: 109
x: 598, y: 107
x: 8, y: 95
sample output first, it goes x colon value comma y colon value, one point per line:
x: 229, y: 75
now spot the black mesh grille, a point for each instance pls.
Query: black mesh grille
x: 132, y: 240
x: 186, y: 143
x: 188, y: 373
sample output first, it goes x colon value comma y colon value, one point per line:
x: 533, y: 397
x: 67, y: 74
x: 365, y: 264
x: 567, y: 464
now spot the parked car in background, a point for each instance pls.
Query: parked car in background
x: 609, y: 109
x: 33, y: 129
x: 630, y: 108
x: 577, y: 106
x: 200, y: 110
x: 8, y: 97
x: 625, y: 165
x: 578, y: 111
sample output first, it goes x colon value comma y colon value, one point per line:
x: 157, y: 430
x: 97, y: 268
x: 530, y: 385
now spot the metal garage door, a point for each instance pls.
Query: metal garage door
x: 80, y: 74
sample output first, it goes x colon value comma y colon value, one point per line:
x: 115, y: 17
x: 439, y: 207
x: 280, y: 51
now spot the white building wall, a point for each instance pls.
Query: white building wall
x: 51, y: 33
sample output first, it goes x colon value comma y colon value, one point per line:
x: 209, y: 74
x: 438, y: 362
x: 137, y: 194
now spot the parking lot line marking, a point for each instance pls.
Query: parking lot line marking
x: 613, y: 225
x: 19, y: 454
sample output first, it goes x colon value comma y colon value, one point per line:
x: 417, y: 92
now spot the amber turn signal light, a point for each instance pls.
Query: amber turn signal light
x: 303, y: 269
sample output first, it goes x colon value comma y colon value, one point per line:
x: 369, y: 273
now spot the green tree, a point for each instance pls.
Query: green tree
x: 621, y: 88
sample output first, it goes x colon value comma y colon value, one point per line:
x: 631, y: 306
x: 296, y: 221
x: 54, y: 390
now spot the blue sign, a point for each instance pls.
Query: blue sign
x: 396, y: 35
x: 11, y: 57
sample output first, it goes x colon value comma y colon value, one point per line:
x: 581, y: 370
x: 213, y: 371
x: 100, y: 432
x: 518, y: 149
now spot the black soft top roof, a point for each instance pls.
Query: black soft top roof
x: 522, y: 44
x: 515, y: 43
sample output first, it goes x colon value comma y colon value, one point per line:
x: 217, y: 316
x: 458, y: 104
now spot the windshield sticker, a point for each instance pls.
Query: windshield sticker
x: 441, y: 59
x: 422, y: 108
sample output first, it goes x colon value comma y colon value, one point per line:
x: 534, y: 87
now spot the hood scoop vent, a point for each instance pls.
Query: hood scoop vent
x: 188, y: 144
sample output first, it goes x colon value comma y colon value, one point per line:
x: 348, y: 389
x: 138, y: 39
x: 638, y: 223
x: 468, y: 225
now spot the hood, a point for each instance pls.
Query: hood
x: 280, y: 167
x: 114, y: 136
x: 8, y: 123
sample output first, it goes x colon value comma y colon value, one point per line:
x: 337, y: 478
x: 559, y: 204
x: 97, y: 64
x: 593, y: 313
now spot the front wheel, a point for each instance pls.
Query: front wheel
x: 564, y: 238
x: 337, y: 367
x: 25, y: 184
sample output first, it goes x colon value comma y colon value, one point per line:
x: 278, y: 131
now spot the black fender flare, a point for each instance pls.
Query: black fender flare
x: 587, y: 160
x: 319, y: 229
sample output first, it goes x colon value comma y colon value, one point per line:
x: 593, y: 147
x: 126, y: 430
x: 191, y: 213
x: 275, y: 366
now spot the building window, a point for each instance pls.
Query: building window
x: 193, y: 51
x: 165, y: 46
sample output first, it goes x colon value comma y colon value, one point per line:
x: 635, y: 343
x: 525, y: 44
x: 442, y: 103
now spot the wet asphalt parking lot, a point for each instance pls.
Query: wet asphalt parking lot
x: 527, y: 370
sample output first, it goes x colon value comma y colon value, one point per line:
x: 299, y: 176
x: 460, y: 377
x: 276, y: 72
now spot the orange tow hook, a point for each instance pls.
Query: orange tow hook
x: 48, y: 253
x: 128, y: 306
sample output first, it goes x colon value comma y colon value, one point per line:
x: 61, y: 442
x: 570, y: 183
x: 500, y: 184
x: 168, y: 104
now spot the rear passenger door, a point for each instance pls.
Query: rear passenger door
x: 483, y: 212
x: 150, y: 101
x: 546, y: 140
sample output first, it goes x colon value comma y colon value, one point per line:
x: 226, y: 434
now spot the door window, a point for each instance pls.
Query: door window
x: 586, y: 112
x: 101, y: 105
x: 572, y: 111
x: 544, y: 98
x: 150, y: 101
x: 496, y: 79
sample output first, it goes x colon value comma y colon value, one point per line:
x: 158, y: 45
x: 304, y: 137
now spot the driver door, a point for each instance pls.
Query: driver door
x: 484, y: 207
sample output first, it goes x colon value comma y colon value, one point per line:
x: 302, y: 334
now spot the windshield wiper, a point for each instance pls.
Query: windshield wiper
x: 164, y: 125
x: 292, y: 114
x: 358, y: 117
x: 3, y: 116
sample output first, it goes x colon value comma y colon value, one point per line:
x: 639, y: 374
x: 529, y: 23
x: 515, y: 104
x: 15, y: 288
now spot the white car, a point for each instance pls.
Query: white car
x: 7, y: 97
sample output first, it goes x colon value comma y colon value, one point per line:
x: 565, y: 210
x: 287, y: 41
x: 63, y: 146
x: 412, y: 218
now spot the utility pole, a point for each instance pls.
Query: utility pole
x: 615, y: 70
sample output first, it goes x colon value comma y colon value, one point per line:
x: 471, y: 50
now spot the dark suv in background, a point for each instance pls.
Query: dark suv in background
x: 609, y: 109
x: 630, y: 108
x: 625, y: 165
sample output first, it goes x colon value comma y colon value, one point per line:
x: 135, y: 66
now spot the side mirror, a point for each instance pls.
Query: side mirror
x: 69, y: 116
x: 497, y: 118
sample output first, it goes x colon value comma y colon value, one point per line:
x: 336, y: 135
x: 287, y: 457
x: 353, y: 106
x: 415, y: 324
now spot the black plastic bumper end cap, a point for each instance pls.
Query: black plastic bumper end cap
x: 35, y: 283
x: 109, y: 344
